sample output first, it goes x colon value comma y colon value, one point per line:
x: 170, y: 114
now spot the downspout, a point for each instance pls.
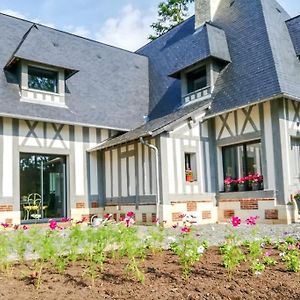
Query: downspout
x: 157, y: 176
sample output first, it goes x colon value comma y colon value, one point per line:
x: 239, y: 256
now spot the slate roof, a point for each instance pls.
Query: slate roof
x: 157, y: 126
x: 263, y: 61
x: 294, y: 29
x: 110, y: 89
x: 207, y: 42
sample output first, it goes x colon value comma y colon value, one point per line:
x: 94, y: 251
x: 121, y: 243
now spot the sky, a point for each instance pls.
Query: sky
x: 121, y: 23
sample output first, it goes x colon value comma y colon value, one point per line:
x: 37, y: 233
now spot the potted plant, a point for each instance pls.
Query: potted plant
x: 256, y: 181
x: 189, y: 175
x: 297, y: 199
x: 242, y: 184
x: 229, y: 185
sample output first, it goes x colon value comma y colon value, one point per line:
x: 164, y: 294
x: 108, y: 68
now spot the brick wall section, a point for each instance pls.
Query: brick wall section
x: 80, y: 205
x: 228, y: 213
x: 191, y: 206
x: 94, y: 205
x: 122, y: 217
x: 249, y: 204
x: 144, y: 217
x: 176, y: 217
x: 6, y: 207
x: 206, y: 215
x: 115, y: 217
x: 271, y: 214
x: 153, y: 218
x: 8, y: 221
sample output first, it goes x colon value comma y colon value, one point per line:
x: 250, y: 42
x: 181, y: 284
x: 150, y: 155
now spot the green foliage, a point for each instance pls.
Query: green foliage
x: 155, y: 239
x: 20, y: 243
x: 170, y: 14
x: 5, y: 249
x: 232, y: 257
x: 269, y: 261
x: 189, y: 250
x: 132, y: 246
x: 257, y: 267
x: 255, y: 249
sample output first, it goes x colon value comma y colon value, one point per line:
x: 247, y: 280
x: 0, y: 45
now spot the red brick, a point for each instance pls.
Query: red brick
x: 271, y: 214
x: 206, y: 214
x: 94, y: 204
x: 80, y: 205
x: 228, y: 213
x: 115, y: 217
x: 8, y: 221
x: 176, y: 217
x: 191, y: 206
x: 122, y: 217
x: 153, y: 218
x: 144, y: 218
x: 249, y: 204
x: 6, y: 207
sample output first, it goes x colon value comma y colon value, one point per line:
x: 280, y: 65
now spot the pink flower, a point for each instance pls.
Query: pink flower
x: 129, y: 221
x: 4, y: 225
x: 130, y: 214
x: 107, y: 216
x: 25, y: 227
x: 64, y: 220
x: 235, y: 221
x: 291, y: 247
x: 186, y: 229
x: 52, y: 224
x: 268, y: 253
x: 251, y: 220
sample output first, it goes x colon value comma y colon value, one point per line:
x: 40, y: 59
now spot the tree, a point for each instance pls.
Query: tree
x: 170, y: 14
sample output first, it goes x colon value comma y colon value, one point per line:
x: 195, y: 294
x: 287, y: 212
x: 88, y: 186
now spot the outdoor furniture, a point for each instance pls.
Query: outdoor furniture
x: 32, y: 205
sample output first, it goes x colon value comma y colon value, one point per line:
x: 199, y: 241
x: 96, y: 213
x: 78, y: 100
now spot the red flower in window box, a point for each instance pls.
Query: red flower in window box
x: 189, y: 175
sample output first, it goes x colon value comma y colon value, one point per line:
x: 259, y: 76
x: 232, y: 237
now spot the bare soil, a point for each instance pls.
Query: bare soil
x: 209, y: 280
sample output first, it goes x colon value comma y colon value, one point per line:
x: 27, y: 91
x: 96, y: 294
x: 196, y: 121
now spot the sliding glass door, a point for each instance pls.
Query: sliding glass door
x: 42, y: 186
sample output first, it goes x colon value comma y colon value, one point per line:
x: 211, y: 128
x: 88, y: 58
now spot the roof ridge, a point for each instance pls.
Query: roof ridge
x: 21, y: 43
x: 72, y: 34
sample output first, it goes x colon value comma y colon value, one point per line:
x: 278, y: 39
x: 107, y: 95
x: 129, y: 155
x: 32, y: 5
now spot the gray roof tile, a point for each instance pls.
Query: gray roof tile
x: 110, y: 90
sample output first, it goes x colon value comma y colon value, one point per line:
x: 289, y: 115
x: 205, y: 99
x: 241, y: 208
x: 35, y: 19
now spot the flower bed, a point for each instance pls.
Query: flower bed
x: 252, y: 182
x: 115, y: 261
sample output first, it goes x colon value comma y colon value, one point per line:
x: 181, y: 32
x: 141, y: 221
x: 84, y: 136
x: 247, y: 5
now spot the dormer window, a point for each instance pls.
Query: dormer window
x: 41, y: 79
x: 42, y: 84
x: 196, y: 80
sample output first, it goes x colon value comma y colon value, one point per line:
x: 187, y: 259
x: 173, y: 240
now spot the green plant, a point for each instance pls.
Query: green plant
x: 232, y: 257
x: 257, y: 267
x: 189, y: 250
x: 133, y: 247
x: 5, y: 249
x: 269, y: 261
x: 20, y: 242
x: 155, y: 239
x: 43, y: 245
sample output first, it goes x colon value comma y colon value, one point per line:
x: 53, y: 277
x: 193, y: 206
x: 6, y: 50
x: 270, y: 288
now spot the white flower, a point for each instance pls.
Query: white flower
x: 171, y: 239
x: 200, y: 249
x: 257, y: 273
x: 282, y: 254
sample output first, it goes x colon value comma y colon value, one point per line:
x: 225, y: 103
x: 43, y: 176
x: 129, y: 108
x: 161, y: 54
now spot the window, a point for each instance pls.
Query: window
x: 196, y: 80
x: 40, y: 79
x: 240, y: 161
x: 190, y: 167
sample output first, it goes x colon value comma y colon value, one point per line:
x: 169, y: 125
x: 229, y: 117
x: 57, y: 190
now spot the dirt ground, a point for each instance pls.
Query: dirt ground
x: 209, y: 280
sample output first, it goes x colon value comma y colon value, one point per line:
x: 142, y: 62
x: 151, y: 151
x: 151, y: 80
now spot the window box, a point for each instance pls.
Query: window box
x: 242, y: 167
x: 190, y: 167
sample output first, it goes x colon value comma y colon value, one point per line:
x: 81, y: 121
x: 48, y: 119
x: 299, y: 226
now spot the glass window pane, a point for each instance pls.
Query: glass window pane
x: 196, y: 80
x: 44, y: 80
x: 254, y: 158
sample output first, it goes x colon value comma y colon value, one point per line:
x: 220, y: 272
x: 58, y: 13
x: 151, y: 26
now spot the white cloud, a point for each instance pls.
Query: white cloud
x: 130, y: 30
x: 17, y: 14
x: 13, y: 13
x: 78, y: 30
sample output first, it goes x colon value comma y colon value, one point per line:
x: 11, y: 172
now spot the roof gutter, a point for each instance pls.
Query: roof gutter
x: 152, y: 147
x: 278, y: 96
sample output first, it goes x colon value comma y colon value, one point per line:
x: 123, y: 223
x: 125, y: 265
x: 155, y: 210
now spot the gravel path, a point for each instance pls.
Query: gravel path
x: 215, y: 233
